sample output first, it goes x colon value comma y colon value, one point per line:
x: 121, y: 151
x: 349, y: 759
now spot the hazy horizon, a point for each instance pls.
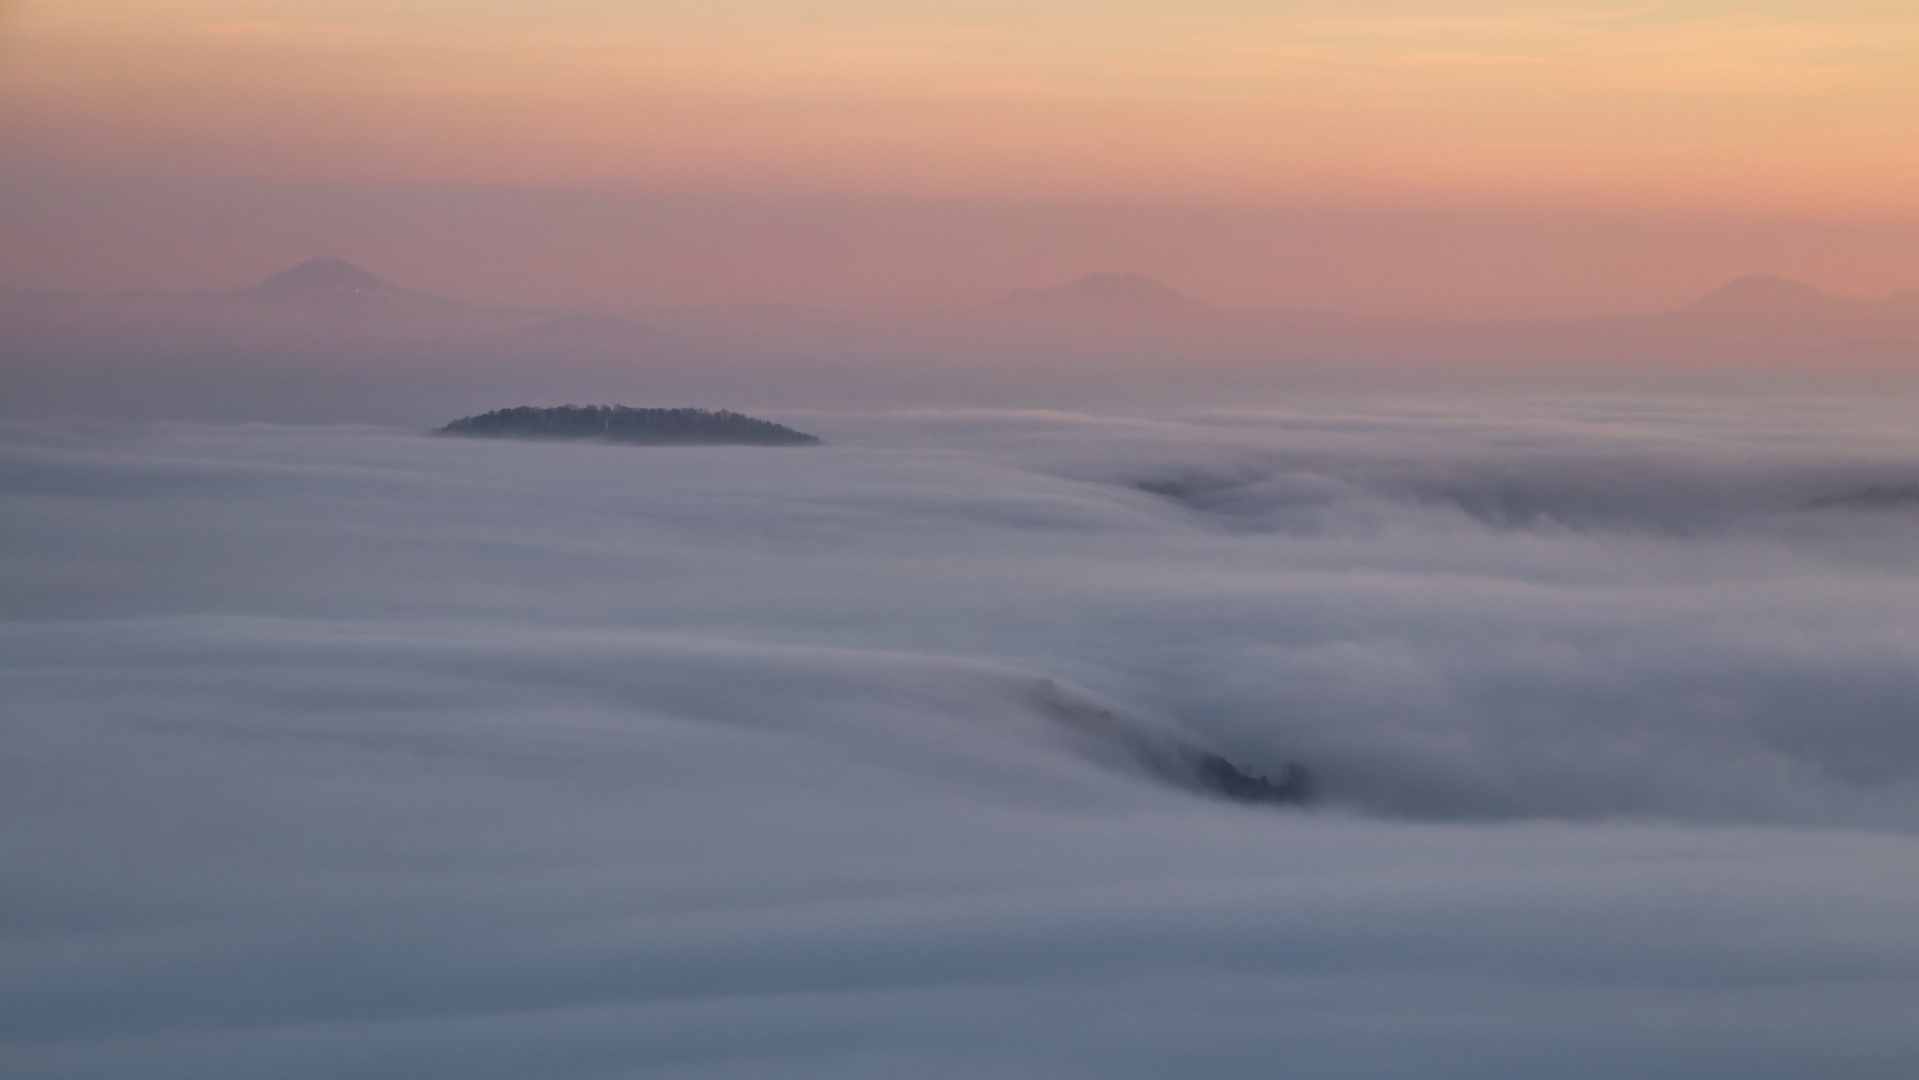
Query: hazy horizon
x: 1498, y: 158
x: 184, y: 287
x: 638, y: 251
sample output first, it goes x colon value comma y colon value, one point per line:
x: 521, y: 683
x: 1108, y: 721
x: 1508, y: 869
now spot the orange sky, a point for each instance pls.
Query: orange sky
x: 1765, y: 109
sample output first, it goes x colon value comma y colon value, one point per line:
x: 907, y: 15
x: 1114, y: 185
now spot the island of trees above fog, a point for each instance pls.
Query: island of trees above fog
x: 622, y: 424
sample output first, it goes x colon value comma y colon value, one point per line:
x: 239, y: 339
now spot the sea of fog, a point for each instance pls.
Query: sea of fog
x: 340, y: 751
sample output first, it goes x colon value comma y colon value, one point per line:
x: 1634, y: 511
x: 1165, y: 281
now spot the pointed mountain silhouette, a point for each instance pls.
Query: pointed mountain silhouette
x: 324, y: 277
x: 1756, y: 294
x: 1768, y: 299
x: 1107, y: 296
x: 335, y: 286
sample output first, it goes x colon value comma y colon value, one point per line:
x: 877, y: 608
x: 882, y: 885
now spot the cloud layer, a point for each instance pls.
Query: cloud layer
x: 354, y: 750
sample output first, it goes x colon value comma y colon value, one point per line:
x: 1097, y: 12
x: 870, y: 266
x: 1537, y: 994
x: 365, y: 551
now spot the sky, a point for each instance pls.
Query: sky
x: 1468, y: 158
x: 346, y: 749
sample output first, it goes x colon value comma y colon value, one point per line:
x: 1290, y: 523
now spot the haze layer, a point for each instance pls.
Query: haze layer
x: 1498, y: 156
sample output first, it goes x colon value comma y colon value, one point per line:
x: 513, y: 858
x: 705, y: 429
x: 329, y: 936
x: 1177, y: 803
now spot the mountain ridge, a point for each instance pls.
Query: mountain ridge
x: 629, y: 425
x: 1770, y: 297
x: 325, y: 284
x: 330, y: 283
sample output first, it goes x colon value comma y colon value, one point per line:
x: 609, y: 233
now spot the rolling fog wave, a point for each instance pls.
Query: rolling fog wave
x: 561, y: 759
x: 1437, y: 617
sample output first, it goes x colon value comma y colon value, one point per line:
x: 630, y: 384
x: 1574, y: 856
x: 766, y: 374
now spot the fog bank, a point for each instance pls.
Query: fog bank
x: 341, y: 748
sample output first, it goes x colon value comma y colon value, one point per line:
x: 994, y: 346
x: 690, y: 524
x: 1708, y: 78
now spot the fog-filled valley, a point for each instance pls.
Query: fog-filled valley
x: 351, y: 749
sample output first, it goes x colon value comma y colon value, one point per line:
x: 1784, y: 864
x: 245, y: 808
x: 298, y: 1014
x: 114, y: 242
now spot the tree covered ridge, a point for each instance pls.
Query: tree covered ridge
x: 621, y: 423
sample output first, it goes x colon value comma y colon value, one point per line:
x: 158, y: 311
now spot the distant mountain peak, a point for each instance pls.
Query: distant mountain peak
x: 335, y: 288
x: 324, y: 276
x: 1763, y: 303
x: 1763, y: 294
x: 1107, y: 295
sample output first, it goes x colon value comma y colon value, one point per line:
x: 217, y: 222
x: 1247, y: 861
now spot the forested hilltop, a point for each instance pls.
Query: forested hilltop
x: 620, y: 423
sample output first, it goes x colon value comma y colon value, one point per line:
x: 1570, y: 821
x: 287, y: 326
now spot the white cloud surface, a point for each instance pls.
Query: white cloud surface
x: 340, y: 751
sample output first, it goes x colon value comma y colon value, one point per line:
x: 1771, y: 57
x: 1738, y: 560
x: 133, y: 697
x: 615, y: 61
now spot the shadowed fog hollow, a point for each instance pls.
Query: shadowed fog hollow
x: 351, y: 751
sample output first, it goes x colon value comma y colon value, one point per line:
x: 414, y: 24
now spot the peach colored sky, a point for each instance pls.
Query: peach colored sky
x: 1785, y: 112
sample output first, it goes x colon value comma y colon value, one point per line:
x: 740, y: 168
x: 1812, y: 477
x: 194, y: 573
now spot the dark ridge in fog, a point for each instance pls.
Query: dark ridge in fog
x: 1673, y: 495
x: 623, y: 424
x: 1877, y: 497
x: 1170, y: 758
x: 1293, y: 789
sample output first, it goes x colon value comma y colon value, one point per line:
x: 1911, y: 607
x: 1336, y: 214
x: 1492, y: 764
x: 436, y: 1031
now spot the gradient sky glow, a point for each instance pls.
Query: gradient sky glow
x: 1787, y: 109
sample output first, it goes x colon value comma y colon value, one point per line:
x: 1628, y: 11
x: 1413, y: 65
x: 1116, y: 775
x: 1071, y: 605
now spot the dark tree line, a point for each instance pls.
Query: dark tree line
x: 619, y: 423
x: 1295, y: 785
